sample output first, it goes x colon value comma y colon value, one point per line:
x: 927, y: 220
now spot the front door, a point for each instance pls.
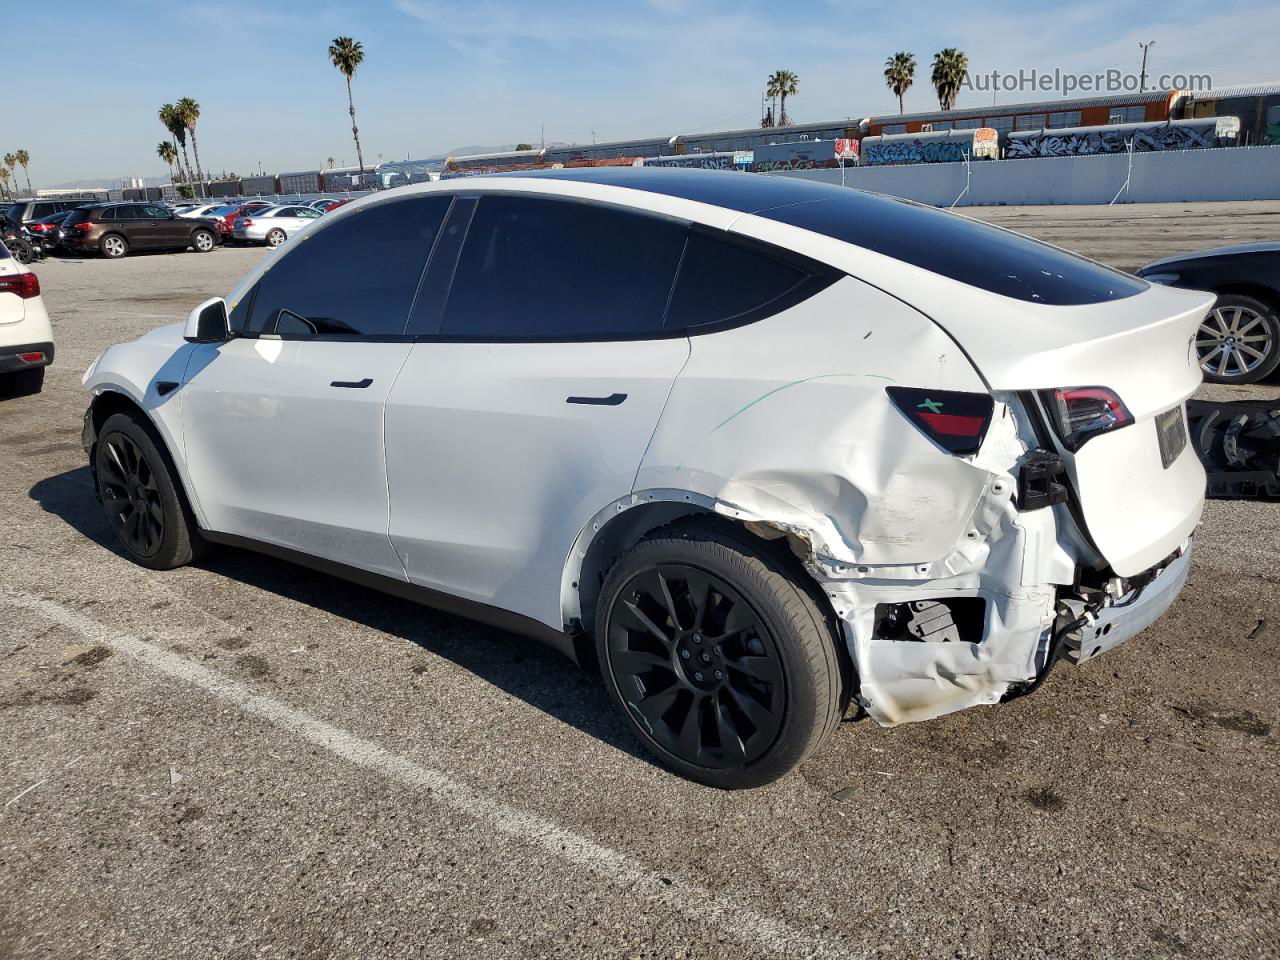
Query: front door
x: 527, y: 406
x: 284, y: 423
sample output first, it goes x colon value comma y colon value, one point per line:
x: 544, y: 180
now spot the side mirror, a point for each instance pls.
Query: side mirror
x: 208, y: 323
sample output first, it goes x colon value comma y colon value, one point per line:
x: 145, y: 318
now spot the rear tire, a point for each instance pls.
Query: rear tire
x: 202, y: 241
x: 141, y: 494
x: 113, y: 246
x: 21, y: 249
x: 24, y: 383
x: 276, y: 237
x: 734, y: 690
x: 1229, y: 339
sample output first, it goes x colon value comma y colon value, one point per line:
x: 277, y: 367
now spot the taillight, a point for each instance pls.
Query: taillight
x: 955, y: 421
x: 25, y: 285
x: 246, y: 221
x: 82, y: 227
x: 38, y: 227
x: 1082, y: 412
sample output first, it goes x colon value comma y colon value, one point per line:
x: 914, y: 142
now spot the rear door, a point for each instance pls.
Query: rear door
x: 526, y: 406
x: 133, y: 222
x: 284, y: 424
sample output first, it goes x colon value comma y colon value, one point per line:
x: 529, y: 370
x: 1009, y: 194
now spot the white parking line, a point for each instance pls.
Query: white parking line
x: 679, y: 896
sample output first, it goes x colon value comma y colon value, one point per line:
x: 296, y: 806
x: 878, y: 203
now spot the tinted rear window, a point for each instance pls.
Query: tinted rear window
x: 554, y: 269
x: 962, y: 249
x: 948, y: 244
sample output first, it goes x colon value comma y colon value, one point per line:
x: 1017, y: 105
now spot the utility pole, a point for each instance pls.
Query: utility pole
x: 542, y: 137
x: 1142, y: 78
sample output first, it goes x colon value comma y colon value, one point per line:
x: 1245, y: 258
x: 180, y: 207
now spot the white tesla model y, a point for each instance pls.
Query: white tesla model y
x: 756, y: 447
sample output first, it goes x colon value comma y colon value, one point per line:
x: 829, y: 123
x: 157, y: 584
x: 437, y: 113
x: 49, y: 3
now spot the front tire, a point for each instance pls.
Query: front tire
x: 113, y: 246
x: 724, y: 665
x: 202, y: 241
x: 276, y: 237
x: 139, y: 490
x: 1239, y: 341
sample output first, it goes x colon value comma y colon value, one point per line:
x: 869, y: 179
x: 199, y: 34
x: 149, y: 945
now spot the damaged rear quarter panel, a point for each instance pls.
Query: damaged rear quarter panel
x: 788, y: 419
x: 785, y: 422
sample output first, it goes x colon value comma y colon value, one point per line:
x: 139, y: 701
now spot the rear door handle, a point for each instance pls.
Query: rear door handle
x: 610, y: 401
x: 353, y: 384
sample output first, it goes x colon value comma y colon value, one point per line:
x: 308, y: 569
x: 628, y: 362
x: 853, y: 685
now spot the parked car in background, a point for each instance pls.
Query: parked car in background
x: 24, y: 211
x: 320, y: 203
x: 334, y: 204
x: 1239, y: 341
x: 115, y: 229
x: 200, y: 210
x: 47, y: 229
x: 758, y: 447
x: 274, y: 225
x: 26, y: 339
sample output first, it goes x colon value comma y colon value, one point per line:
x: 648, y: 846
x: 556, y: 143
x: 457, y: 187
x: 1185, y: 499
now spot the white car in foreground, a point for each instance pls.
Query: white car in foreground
x: 274, y: 225
x: 756, y: 446
x: 26, y: 339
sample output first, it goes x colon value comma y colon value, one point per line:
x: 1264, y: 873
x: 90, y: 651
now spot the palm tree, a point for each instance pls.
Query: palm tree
x: 173, y: 123
x: 899, y: 73
x: 4, y: 179
x: 949, y: 69
x: 165, y: 151
x: 10, y: 162
x: 188, y: 113
x: 783, y: 84
x: 331, y: 162
x: 347, y: 54
x: 23, y: 159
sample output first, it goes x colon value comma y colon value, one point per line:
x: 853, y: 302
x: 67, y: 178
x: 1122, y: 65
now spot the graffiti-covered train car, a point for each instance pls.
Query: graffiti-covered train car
x: 938, y: 146
x: 1199, y: 134
x: 1256, y: 105
x: 703, y: 161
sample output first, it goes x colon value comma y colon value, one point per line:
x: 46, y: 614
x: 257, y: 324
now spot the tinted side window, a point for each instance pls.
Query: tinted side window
x: 130, y: 211
x: 723, y: 282
x: 356, y: 276
x: 534, y: 268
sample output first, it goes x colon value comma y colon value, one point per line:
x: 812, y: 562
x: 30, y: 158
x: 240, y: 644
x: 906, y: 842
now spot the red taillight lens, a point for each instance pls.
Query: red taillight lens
x: 25, y: 285
x: 82, y: 227
x: 35, y: 356
x: 246, y: 221
x: 38, y: 227
x: 953, y: 420
x: 1083, y: 412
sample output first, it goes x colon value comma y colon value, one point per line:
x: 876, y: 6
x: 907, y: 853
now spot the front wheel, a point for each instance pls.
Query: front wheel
x: 202, y: 241
x: 723, y: 664
x: 1239, y: 341
x: 139, y: 489
x: 276, y: 237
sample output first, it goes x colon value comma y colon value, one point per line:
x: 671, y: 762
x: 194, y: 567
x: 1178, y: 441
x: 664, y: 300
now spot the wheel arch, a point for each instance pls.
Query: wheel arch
x: 110, y: 401
x: 1257, y: 291
x: 625, y: 522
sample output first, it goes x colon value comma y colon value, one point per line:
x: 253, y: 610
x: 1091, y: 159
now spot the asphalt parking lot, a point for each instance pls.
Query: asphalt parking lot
x: 246, y: 759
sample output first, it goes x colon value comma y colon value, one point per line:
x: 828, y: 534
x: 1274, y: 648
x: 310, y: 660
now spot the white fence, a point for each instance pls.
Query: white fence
x: 1235, y: 173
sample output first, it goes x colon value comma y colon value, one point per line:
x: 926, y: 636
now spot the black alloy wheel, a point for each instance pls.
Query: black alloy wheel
x: 699, y: 670
x: 131, y: 495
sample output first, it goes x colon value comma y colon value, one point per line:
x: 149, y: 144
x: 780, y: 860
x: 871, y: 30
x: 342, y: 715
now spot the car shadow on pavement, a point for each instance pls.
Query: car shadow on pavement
x: 522, y: 667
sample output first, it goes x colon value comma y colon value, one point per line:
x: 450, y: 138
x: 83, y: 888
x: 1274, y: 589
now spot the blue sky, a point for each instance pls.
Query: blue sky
x: 440, y: 75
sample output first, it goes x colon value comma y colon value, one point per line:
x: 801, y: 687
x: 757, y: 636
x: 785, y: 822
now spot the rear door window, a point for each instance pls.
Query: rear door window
x: 725, y: 282
x: 534, y: 268
x: 354, y: 277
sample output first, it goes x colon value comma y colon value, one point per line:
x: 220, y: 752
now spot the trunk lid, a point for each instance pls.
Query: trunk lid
x: 1138, y: 503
